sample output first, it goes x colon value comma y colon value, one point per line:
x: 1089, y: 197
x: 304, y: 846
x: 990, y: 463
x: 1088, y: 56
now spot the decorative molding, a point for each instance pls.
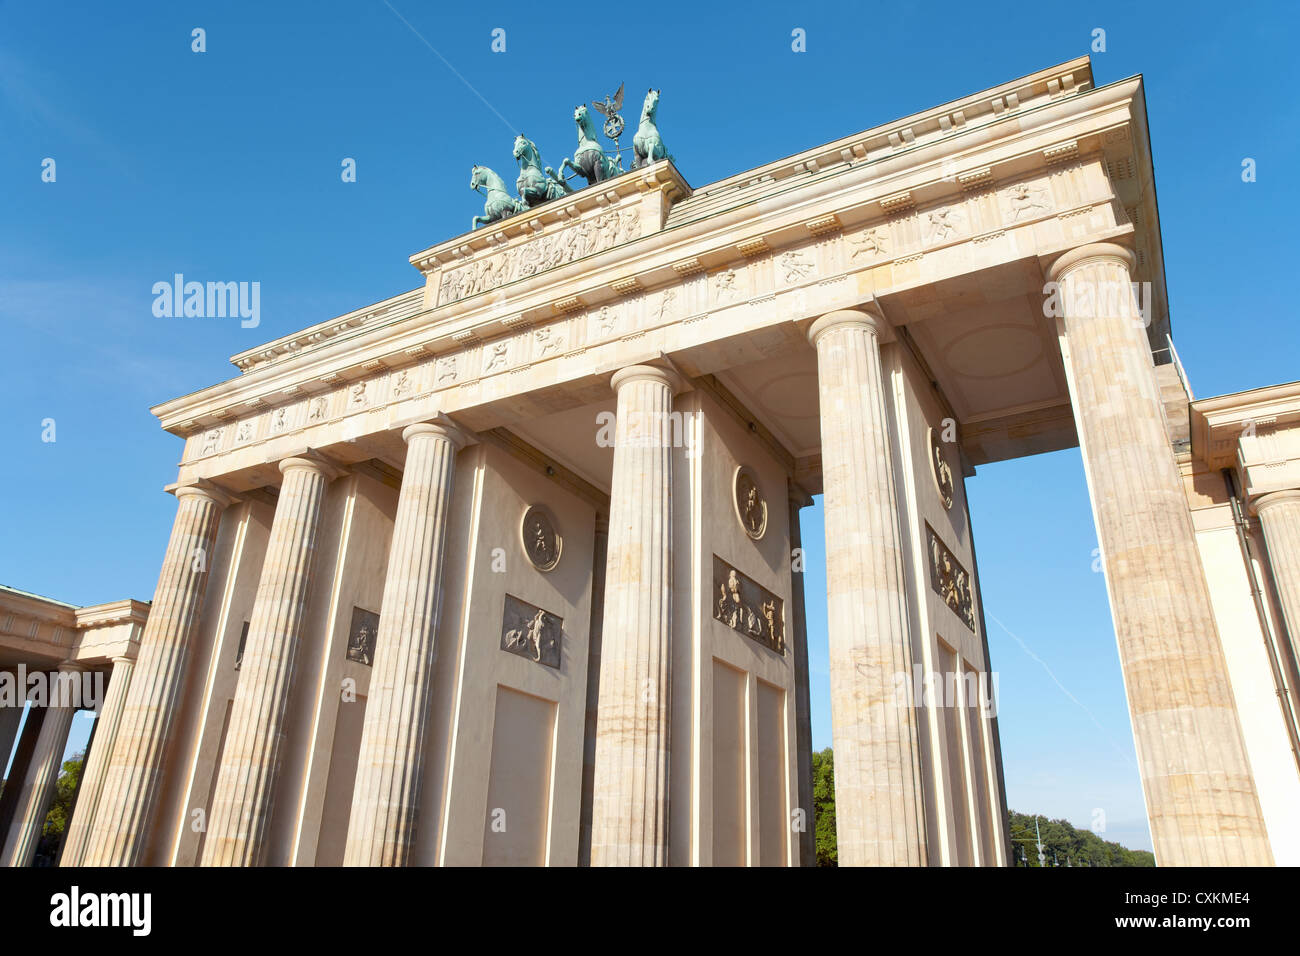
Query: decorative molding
x: 897, y: 202
x: 752, y: 247
x: 1061, y: 153
x: 823, y: 225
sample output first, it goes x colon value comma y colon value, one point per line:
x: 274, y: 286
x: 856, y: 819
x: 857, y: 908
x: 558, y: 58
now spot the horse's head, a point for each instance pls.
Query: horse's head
x: 524, y: 147
x: 476, y: 177
x: 651, y: 103
x: 585, y: 123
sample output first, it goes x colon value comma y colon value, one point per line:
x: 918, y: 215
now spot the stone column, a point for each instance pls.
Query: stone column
x: 250, y: 762
x: 133, y: 780
x: 386, y: 795
x: 880, y: 812
x: 10, y: 718
x: 629, y: 824
x: 599, y: 554
x: 800, y: 499
x: 1279, y: 516
x: 43, y: 771
x: 1200, y: 794
x: 95, y: 770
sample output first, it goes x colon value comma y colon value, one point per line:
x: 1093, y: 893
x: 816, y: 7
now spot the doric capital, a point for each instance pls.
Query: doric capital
x: 1262, y: 503
x: 1093, y: 252
x: 444, y: 430
x: 311, y: 461
x: 641, y: 373
x: 202, y: 488
x: 868, y: 316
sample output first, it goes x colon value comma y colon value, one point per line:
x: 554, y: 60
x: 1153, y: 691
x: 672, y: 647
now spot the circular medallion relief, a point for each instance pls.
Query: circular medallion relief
x: 940, y: 469
x: 751, y: 509
x: 542, y: 543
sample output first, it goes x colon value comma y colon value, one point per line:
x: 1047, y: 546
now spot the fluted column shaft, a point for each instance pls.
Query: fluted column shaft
x: 250, y: 761
x: 799, y: 499
x: 95, y: 771
x: 1200, y: 794
x: 386, y: 795
x: 878, y: 797
x: 630, y: 793
x: 123, y: 818
x: 43, y: 771
x: 1279, y: 515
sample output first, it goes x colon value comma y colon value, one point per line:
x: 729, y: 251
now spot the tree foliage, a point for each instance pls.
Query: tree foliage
x: 1063, y: 844
x: 60, y: 813
x: 823, y: 769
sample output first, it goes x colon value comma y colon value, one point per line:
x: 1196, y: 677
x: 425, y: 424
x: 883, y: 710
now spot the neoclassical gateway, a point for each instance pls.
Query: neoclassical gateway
x: 506, y: 569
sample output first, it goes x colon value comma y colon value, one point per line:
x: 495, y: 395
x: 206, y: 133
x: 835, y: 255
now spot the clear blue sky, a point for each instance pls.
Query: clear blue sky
x: 225, y: 165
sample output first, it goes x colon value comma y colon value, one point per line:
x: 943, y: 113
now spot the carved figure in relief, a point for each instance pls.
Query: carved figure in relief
x: 647, y: 145
x: 245, y: 431
x: 447, y: 368
x: 358, y: 394
x: 795, y: 266
x: 497, y: 357
x: 402, y: 384
x: 666, y: 300
x: 497, y: 204
x: 724, y: 286
x: 943, y: 478
x: 943, y: 223
x: 872, y: 242
x: 316, y: 409
x: 280, y: 420
x: 547, y: 341
x: 210, y: 441
x: 1024, y: 198
x: 769, y: 615
x: 605, y: 319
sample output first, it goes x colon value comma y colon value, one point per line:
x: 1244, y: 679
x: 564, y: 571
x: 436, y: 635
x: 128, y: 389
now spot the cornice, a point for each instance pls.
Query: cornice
x: 818, y: 204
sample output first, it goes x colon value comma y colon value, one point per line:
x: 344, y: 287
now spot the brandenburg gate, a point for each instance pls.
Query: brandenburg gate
x: 507, y: 568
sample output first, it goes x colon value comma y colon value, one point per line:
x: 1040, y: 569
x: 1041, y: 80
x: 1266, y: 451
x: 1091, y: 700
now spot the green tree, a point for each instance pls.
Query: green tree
x: 60, y: 813
x: 823, y: 768
x: 1062, y: 844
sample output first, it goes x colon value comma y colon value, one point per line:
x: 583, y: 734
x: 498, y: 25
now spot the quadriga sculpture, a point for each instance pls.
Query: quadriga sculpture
x: 647, y: 145
x: 497, y: 204
x: 535, y: 186
x: 589, y: 160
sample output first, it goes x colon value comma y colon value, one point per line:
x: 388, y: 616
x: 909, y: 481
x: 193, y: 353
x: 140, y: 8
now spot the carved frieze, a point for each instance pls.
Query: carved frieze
x: 746, y: 606
x: 531, y: 632
x: 542, y: 543
x: 362, y: 635
x: 539, y: 254
x: 950, y: 580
